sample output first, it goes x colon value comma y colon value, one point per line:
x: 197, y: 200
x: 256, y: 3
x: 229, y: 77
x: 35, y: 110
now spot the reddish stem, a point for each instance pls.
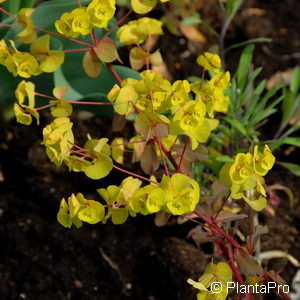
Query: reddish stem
x: 76, y: 50
x: 284, y: 295
x: 8, y: 13
x: 134, y: 174
x: 42, y: 30
x: 88, y: 103
x: 120, y: 21
x: 182, y: 154
x: 114, y: 73
x: 227, y: 252
x: 158, y: 140
x: 171, y: 158
x: 217, y: 228
x: 44, y: 107
x: 221, y: 208
x: 93, y: 38
x: 250, y: 245
x: 63, y: 37
x: 45, y: 96
x: 127, y: 143
x: 116, y: 204
x: 75, y: 102
x: 10, y: 25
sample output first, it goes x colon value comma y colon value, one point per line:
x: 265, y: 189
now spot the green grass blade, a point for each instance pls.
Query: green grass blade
x: 295, y: 83
x: 293, y: 168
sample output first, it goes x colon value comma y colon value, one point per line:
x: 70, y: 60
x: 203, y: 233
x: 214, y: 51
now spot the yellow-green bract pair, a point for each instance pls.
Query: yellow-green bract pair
x: 83, y: 19
x: 244, y: 176
x: 177, y: 195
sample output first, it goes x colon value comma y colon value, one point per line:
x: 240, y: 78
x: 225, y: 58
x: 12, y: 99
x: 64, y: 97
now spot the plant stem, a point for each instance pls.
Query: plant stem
x: 127, y: 143
x: 284, y: 295
x: 134, y: 174
x: 8, y: 13
x: 116, y: 204
x: 63, y: 37
x: 214, y: 226
x: 76, y: 50
x: 182, y: 154
x: 220, y: 209
x: 10, y: 25
x: 114, y: 73
x: 45, y: 106
x: 171, y: 158
x: 45, y: 96
x: 93, y: 38
x: 120, y: 21
x: 158, y: 140
x: 221, y: 41
x: 88, y: 103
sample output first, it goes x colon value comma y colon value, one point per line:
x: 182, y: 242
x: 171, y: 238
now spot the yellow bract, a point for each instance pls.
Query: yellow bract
x: 263, y: 162
x: 244, y: 176
x: 64, y: 25
x: 219, y: 273
x: 181, y: 193
x: 190, y: 120
x: 241, y: 170
x: 81, y: 22
x: 100, y: 12
x: 23, y: 114
x: 50, y: 60
x: 144, y: 6
x: 74, y: 23
x: 210, y: 62
x: 138, y: 58
x: 25, y: 90
x: 4, y: 53
x: 117, y: 150
x: 136, y: 32
x: 25, y: 110
x: 79, y: 209
x: 22, y: 64
x: 212, y: 93
x: 28, y: 35
x: 58, y: 139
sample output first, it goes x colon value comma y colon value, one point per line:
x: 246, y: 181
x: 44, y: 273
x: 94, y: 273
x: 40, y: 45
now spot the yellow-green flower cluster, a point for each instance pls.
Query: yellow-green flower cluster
x: 77, y: 209
x: 58, y: 139
x: 20, y: 64
x: 244, y: 176
x: 220, y: 273
x: 82, y: 20
x: 177, y: 195
x: 144, y: 6
x: 137, y: 93
x: 212, y: 92
x: 28, y: 35
x: 136, y: 32
x: 26, y: 64
x: 154, y: 96
x: 25, y: 112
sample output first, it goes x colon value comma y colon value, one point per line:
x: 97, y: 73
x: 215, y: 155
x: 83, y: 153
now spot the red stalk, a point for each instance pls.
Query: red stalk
x: 114, y: 73
x: 134, y: 174
x: 158, y: 140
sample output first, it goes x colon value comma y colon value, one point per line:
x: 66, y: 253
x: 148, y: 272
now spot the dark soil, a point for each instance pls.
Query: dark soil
x: 41, y: 260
